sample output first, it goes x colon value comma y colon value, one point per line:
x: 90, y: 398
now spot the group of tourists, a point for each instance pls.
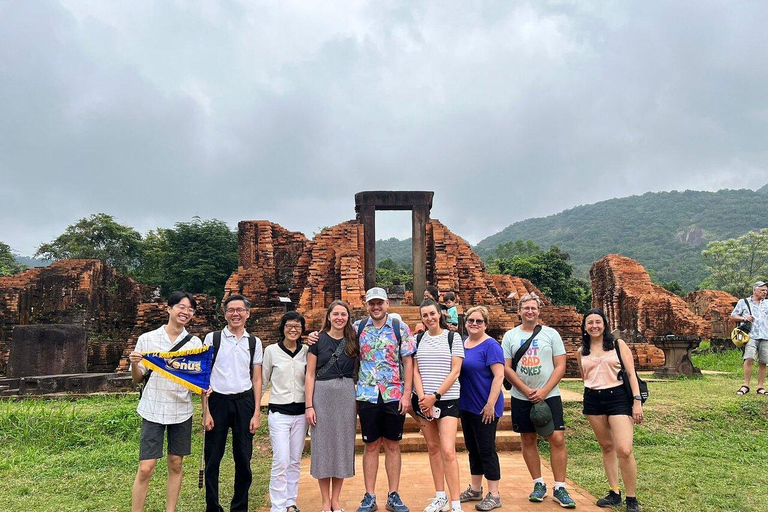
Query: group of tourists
x: 376, y: 370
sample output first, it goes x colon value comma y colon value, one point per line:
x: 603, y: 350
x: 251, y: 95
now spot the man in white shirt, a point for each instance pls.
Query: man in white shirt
x: 754, y: 309
x: 233, y: 403
x: 164, y: 405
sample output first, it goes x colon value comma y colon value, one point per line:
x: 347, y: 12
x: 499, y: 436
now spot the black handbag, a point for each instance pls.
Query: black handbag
x: 745, y: 325
x: 641, y: 384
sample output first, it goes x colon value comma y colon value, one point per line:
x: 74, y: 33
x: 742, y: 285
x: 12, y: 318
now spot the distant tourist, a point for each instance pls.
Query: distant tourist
x: 439, y: 354
x: 451, y: 313
x: 609, y: 410
x: 330, y: 404
x: 536, y: 404
x: 233, y: 403
x: 481, y: 404
x: 284, y: 368
x: 383, y: 394
x: 165, y: 407
x: 754, y: 309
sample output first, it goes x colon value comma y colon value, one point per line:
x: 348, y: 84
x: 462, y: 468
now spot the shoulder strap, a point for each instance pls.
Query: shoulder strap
x: 618, y: 353
x: 252, y: 351
x: 334, y: 357
x: 216, y: 345
x: 396, y: 328
x: 451, y: 335
x: 746, y: 301
x: 361, y: 327
x: 522, y: 350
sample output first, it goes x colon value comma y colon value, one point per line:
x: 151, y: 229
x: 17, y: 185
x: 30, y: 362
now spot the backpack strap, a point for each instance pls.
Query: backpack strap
x: 252, y: 351
x: 360, y: 328
x: 451, y: 335
x: 216, y: 345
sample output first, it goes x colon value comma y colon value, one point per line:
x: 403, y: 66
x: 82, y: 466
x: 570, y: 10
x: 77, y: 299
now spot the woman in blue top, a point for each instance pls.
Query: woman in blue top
x: 481, y: 404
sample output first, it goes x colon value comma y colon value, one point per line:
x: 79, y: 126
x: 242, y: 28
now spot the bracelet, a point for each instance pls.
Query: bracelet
x: 309, y: 407
x: 638, y: 397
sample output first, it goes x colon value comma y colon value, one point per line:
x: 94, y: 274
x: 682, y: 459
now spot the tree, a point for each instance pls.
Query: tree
x: 388, y: 272
x: 97, y: 237
x: 197, y: 257
x: 552, y: 273
x: 8, y: 264
x: 735, y: 264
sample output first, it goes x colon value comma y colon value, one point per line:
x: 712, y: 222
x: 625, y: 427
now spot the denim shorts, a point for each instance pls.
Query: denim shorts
x: 608, y: 402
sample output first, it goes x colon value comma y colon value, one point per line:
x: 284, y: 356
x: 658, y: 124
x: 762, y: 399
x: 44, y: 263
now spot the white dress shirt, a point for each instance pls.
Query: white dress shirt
x: 231, y: 372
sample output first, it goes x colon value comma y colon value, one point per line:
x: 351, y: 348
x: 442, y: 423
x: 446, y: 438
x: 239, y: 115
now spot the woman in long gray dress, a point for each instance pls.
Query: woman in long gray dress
x: 330, y: 404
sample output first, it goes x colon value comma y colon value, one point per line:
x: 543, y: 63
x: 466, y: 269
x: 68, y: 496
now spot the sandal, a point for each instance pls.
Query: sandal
x: 761, y: 391
x: 292, y: 508
x: 743, y: 390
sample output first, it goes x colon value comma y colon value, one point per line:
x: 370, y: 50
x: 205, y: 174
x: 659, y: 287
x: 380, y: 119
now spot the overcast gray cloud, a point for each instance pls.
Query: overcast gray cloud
x: 158, y: 111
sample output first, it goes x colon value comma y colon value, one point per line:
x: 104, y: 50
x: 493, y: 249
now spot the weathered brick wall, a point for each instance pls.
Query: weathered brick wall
x: 623, y: 289
x: 81, y: 292
x: 714, y: 306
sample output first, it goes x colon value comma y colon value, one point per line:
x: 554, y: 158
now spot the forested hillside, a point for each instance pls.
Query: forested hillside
x: 665, y: 231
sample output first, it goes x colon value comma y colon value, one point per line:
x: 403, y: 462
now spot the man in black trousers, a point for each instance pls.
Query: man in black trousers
x: 233, y: 403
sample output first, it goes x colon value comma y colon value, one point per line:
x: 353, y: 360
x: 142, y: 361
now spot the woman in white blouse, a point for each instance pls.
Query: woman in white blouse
x: 284, y: 367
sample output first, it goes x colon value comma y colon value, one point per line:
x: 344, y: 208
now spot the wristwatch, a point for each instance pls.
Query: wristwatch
x: 638, y: 397
x: 437, y: 395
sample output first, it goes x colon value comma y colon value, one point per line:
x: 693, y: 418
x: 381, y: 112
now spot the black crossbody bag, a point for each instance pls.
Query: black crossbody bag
x: 641, y: 384
x: 745, y: 325
x: 520, y: 353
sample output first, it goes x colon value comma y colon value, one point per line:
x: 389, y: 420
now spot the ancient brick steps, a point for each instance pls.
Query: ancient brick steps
x: 506, y: 440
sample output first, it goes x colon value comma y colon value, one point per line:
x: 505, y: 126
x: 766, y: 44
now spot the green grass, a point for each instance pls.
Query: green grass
x: 82, y: 455
x: 699, y: 448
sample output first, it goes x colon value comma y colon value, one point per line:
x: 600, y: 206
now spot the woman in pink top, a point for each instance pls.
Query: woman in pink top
x: 610, y: 411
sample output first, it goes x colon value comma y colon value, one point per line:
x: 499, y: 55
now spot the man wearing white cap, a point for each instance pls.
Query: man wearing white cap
x: 754, y: 309
x: 384, y: 388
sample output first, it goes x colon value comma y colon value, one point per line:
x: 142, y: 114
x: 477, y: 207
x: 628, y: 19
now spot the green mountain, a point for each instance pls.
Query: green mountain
x: 665, y: 231
x: 763, y: 189
x: 32, y: 262
x: 398, y: 251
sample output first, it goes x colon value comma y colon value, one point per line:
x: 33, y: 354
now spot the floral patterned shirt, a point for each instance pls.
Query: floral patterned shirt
x: 379, y: 364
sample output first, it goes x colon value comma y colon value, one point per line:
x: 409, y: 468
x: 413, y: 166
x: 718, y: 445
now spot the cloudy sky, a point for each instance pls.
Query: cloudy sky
x: 155, y: 112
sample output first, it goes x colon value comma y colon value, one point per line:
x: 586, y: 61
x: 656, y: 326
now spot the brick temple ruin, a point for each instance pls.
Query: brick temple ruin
x: 276, y: 265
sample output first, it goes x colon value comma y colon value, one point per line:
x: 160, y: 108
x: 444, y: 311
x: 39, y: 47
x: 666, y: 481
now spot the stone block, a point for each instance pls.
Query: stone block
x: 48, y: 350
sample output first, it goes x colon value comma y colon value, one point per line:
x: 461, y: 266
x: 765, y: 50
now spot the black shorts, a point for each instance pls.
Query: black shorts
x: 521, y: 414
x: 152, y: 435
x: 447, y: 408
x: 608, y: 402
x: 380, y: 420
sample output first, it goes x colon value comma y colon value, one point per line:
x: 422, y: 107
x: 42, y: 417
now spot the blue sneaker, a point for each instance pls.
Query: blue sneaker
x: 395, y: 504
x: 539, y: 492
x: 368, y: 504
x: 561, y: 496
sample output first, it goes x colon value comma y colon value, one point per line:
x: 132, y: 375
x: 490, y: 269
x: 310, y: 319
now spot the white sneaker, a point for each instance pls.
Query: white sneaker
x: 438, y: 505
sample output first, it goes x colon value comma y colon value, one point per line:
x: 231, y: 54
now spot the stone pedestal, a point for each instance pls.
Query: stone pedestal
x: 677, y: 353
x: 52, y: 349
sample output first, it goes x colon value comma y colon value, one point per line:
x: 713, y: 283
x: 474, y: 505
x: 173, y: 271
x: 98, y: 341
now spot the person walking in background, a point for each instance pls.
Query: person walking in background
x: 330, y: 403
x: 535, y: 381
x: 232, y: 404
x: 754, y: 309
x: 481, y: 404
x: 610, y: 411
x: 439, y: 354
x: 284, y: 367
x: 165, y: 406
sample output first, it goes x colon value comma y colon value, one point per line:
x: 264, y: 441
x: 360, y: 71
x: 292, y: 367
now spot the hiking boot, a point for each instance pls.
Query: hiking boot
x: 561, y: 496
x: 368, y: 504
x: 490, y: 502
x: 395, y: 504
x: 612, y: 499
x: 539, y: 492
x: 632, y: 504
x: 470, y: 495
x: 438, y: 505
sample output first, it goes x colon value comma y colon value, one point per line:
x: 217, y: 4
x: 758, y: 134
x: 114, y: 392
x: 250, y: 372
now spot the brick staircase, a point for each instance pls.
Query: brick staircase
x: 413, y: 441
x: 409, y: 314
